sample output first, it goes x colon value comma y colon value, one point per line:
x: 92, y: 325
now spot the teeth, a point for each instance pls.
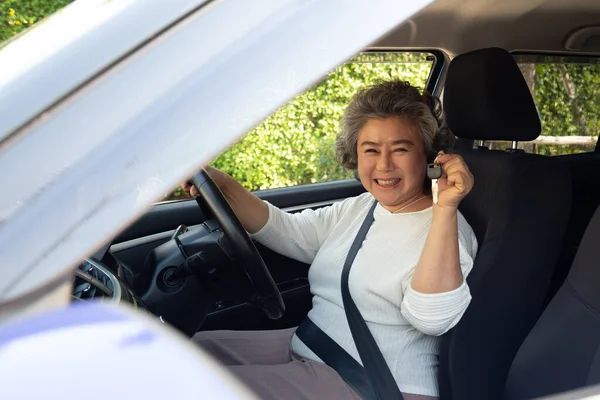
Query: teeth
x: 389, y: 182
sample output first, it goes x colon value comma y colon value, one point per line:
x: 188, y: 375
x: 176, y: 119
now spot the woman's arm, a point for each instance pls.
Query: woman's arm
x: 438, y: 269
x: 252, y: 211
x: 438, y: 295
x: 298, y: 236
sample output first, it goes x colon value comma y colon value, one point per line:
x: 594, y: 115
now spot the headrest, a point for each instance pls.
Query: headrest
x: 487, y: 98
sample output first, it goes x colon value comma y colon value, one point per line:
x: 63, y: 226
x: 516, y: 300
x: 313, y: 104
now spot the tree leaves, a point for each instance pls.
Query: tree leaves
x: 17, y: 15
x: 567, y: 97
x: 296, y: 144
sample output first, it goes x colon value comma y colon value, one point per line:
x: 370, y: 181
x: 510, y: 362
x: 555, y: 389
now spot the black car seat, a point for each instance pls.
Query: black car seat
x: 562, y: 352
x: 584, y: 169
x: 518, y: 208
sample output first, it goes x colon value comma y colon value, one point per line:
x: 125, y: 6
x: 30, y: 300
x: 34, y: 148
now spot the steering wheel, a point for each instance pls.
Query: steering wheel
x: 267, y: 295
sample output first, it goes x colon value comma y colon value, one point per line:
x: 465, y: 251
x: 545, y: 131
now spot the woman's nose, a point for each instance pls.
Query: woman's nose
x: 384, y: 162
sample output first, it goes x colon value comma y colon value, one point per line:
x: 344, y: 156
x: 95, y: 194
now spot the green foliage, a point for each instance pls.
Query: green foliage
x: 17, y: 15
x: 296, y: 144
x: 568, y: 100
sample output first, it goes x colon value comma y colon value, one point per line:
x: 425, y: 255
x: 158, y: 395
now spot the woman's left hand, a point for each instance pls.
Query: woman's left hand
x: 456, y: 180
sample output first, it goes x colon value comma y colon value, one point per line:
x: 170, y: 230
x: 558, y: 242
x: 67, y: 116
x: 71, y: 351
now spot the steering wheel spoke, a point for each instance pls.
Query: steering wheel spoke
x: 241, y: 246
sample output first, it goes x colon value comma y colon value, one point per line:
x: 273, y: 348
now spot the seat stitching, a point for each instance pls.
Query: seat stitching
x: 580, y: 298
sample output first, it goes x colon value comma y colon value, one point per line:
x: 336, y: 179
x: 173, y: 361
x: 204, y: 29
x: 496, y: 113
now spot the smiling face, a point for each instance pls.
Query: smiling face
x: 391, y: 161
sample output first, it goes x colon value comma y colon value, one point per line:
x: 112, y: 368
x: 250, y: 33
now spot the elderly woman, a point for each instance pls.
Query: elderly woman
x: 408, y: 278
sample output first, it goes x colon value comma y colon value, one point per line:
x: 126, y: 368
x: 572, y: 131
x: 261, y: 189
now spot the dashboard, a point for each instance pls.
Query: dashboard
x: 95, y: 280
x: 167, y: 284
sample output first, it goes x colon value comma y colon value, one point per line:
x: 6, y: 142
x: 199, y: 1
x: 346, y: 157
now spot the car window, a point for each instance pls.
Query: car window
x: 295, y: 145
x: 566, y: 91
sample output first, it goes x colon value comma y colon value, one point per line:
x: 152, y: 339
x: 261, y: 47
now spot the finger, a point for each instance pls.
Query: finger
x: 448, y: 159
x: 194, y: 191
x: 456, y: 166
x: 450, y: 164
x: 186, y: 185
x: 444, y: 158
x: 458, y: 173
x: 461, y: 181
x: 449, y: 167
x: 442, y: 183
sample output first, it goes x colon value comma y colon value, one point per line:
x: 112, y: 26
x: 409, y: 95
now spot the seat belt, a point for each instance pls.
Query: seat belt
x: 383, y: 386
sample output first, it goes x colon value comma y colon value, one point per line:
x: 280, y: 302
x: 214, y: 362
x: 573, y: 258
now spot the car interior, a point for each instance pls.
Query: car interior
x: 533, y: 326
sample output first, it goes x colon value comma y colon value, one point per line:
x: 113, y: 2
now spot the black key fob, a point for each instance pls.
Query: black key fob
x: 434, y: 171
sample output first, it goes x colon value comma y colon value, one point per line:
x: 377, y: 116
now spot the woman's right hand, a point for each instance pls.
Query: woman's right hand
x: 190, y: 189
x: 218, y: 176
x: 252, y: 212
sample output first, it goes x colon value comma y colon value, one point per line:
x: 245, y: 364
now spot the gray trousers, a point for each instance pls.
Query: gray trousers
x: 264, y: 362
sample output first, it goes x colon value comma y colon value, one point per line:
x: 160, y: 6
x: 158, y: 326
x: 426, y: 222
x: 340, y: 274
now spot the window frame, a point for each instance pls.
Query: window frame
x: 437, y: 69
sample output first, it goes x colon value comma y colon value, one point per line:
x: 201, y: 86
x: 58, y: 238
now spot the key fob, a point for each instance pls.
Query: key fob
x: 434, y: 171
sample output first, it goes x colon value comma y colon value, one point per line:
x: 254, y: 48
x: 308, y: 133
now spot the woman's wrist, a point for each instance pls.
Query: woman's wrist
x: 448, y: 213
x: 223, y: 180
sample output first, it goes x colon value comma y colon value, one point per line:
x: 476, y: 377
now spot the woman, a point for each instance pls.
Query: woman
x: 408, y: 279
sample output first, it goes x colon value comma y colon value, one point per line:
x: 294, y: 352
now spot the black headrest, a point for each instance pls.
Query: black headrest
x: 486, y: 97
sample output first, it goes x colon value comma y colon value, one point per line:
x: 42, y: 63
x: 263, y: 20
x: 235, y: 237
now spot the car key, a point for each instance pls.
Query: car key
x: 434, y: 172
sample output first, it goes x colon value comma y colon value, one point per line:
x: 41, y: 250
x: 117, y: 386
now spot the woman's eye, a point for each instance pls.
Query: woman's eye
x: 401, y: 150
x: 370, y: 151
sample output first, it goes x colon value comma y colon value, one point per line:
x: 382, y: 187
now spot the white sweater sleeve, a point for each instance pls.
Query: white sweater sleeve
x: 300, y: 235
x: 435, y: 314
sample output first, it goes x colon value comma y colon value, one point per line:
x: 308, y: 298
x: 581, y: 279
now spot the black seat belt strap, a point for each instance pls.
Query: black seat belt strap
x: 381, y: 378
x: 375, y: 381
x: 337, y: 358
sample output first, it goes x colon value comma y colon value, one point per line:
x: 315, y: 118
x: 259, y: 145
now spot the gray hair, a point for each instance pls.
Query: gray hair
x: 385, y: 100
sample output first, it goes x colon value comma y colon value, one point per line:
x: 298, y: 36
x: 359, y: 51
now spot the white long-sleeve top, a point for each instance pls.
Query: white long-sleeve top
x: 405, y: 323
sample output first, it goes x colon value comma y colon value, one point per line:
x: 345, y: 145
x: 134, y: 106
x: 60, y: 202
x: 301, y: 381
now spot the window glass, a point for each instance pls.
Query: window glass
x: 566, y: 91
x: 296, y: 144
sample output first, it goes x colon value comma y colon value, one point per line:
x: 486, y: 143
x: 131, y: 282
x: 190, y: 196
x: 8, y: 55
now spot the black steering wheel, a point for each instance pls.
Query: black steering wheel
x: 267, y: 295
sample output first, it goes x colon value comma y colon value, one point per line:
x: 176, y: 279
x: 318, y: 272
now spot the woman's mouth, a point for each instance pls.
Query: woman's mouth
x: 387, y: 183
